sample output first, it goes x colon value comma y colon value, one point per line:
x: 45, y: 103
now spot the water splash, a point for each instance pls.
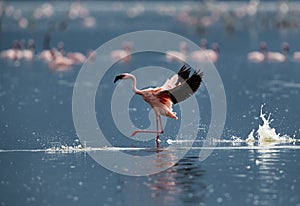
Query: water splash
x: 251, y: 138
x: 66, y: 149
x: 267, y: 134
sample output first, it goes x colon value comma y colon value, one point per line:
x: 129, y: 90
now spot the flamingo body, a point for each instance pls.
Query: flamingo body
x: 77, y: 57
x: 161, y: 99
x: 161, y: 105
x: 297, y: 56
x: 175, y: 56
x: 10, y: 54
x: 27, y: 54
x: 178, y: 56
x: 204, y: 54
x: 276, y: 57
x: 122, y: 55
x: 256, y: 56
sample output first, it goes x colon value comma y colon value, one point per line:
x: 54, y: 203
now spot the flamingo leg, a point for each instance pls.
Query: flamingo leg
x: 151, y: 131
x: 161, y: 126
x: 157, y: 132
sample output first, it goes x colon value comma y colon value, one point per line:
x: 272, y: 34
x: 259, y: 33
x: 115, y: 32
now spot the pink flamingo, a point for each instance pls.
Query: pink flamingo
x: 49, y: 54
x: 205, y: 54
x: 28, y: 54
x: 60, y: 61
x: 213, y: 53
x: 123, y: 54
x: 13, y: 53
x: 279, y: 56
x: 178, y: 55
x: 258, y: 56
x: 77, y: 57
x: 296, y: 55
x: 161, y: 99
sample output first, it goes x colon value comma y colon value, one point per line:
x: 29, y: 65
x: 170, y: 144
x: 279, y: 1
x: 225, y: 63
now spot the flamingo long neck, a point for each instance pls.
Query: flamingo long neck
x: 134, y: 89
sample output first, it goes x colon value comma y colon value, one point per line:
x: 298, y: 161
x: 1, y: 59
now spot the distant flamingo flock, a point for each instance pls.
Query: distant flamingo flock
x: 198, y: 20
x: 58, y: 58
x: 55, y: 57
x: 263, y: 55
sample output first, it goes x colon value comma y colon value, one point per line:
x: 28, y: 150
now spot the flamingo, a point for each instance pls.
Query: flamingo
x: 13, y: 53
x: 123, y: 54
x: 279, y: 56
x: 47, y: 55
x: 77, y: 57
x: 258, y: 56
x: 180, y: 55
x: 205, y: 54
x: 161, y: 99
x: 297, y: 55
x: 213, y: 53
x: 28, y: 54
x: 59, y: 61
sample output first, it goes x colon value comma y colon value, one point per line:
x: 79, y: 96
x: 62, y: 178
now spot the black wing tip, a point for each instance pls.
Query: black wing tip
x: 184, y: 68
x: 189, y: 85
x: 198, y: 73
x: 194, y: 81
x: 183, y: 74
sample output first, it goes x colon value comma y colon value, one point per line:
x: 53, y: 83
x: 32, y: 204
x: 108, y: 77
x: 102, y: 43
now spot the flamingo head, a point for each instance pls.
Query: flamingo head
x: 15, y: 44
x: 203, y: 44
x: 30, y: 44
x: 285, y: 47
x: 122, y: 76
x: 262, y: 46
x: 215, y: 47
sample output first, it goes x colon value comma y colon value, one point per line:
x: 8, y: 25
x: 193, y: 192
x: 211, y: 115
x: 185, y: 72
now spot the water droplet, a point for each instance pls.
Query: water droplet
x: 118, y: 187
x: 227, y: 195
x: 190, y: 195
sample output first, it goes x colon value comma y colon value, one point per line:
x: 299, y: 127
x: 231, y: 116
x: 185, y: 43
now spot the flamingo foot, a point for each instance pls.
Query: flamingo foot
x: 157, y: 143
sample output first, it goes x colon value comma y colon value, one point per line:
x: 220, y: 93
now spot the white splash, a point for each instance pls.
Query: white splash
x: 236, y: 139
x: 266, y: 134
x: 251, y: 138
x: 66, y: 149
x: 170, y: 141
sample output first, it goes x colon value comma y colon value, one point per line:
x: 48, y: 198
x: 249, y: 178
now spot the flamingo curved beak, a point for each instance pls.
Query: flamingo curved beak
x: 118, y: 77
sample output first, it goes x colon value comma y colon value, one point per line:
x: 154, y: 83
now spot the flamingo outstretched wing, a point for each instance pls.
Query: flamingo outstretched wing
x: 177, y: 79
x: 184, y: 89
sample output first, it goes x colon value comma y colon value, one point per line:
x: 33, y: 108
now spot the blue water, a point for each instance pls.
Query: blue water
x: 36, y: 114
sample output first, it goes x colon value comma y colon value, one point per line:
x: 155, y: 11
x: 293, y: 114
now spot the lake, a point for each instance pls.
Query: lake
x: 51, y: 155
